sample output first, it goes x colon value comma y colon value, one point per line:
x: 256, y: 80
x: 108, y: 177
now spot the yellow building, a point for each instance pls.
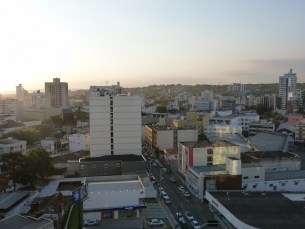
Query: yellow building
x: 193, y: 120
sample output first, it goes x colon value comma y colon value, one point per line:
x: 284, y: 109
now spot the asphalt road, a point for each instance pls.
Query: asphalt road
x: 192, y: 204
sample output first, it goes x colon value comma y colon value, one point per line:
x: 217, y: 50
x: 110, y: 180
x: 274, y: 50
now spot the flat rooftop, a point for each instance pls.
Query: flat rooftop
x: 205, y: 144
x: 208, y: 168
x: 265, y: 211
x: 21, y: 222
x: 257, y: 155
x: 284, y: 175
x: 10, y: 200
x: 233, y: 138
x: 123, y: 158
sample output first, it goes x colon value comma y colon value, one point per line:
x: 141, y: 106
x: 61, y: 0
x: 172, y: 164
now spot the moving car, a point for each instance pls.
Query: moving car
x: 189, y: 216
x: 195, y: 224
x: 186, y: 194
x: 172, y: 179
x: 155, y: 222
x: 179, y: 216
x: 90, y: 222
x: 181, y: 189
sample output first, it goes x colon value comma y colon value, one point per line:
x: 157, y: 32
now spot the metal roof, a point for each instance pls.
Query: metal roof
x: 269, y: 141
x: 20, y: 222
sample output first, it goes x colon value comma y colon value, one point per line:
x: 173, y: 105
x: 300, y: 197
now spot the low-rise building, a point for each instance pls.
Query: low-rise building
x: 259, y: 127
x: 286, y: 128
x: 219, y: 129
x: 12, y: 145
x: 78, y: 142
x: 164, y: 137
x: 18, y: 221
x: 293, y: 117
x: 269, y: 142
x: 171, y: 154
x: 113, y: 197
x: 202, y: 153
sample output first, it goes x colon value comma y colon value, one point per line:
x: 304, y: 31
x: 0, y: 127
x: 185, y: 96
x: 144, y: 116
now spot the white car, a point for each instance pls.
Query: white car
x: 195, y: 224
x: 163, y: 194
x: 179, y: 216
x: 164, y: 170
x: 90, y: 222
x: 189, y: 216
x: 181, y: 189
x: 155, y: 165
x: 161, y: 190
x: 186, y: 194
x: 155, y: 222
x: 172, y: 179
x: 167, y: 200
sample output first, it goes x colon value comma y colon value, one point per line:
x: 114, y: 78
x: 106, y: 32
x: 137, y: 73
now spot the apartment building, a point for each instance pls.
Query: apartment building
x: 300, y: 131
x: 115, y: 122
x: 56, y: 93
x: 287, y: 84
x: 12, y: 145
x: 8, y: 106
x: 78, y: 142
x: 259, y: 127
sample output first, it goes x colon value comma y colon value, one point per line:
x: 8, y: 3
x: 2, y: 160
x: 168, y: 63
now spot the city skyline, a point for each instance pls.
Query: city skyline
x: 144, y: 43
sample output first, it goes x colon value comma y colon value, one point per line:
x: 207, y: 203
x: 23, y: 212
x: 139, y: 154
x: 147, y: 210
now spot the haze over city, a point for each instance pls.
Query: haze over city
x: 149, y: 42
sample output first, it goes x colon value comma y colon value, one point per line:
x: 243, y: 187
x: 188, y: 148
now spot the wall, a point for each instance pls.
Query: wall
x: 165, y: 139
x: 253, y: 174
x: 281, y: 164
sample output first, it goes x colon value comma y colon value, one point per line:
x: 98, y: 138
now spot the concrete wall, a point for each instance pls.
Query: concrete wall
x: 253, y: 174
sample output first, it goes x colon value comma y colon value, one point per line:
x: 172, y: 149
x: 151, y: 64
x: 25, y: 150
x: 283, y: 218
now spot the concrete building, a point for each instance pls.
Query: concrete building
x: 236, y: 87
x: 171, y: 154
x: 286, y: 128
x: 164, y: 137
x: 115, y: 122
x: 113, y: 197
x: 228, y: 103
x: 295, y: 118
x: 259, y: 127
x: 219, y: 129
x: 78, y: 142
x: 204, y: 153
x: 201, y: 105
x: 57, y: 93
x: 300, y: 131
x: 215, y: 177
x: 18, y: 221
x: 243, y: 210
x: 273, y: 161
x: 11, y: 145
x: 8, y: 106
x: 287, y: 84
x: 193, y: 120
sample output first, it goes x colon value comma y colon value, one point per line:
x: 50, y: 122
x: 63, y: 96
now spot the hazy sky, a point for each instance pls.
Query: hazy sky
x: 143, y: 42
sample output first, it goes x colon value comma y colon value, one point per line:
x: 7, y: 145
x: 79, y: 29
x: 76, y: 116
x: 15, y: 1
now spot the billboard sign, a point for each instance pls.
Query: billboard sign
x: 77, y: 195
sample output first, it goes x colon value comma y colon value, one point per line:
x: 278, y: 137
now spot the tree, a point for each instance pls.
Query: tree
x: 56, y: 119
x: 44, y: 131
x: 39, y: 165
x: 31, y: 136
x: 161, y: 109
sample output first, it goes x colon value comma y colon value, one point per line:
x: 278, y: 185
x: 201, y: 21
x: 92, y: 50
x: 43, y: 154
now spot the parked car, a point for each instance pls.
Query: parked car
x: 163, y: 194
x: 186, y: 194
x: 172, y: 179
x: 161, y: 190
x: 183, y: 225
x: 164, y: 170
x: 155, y: 222
x: 179, y: 216
x: 90, y: 222
x: 155, y: 164
x: 181, y: 189
x: 167, y: 200
x: 195, y: 224
x: 189, y: 216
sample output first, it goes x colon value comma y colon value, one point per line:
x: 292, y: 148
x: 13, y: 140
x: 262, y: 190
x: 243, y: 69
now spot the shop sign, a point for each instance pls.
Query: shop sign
x: 107, y: 215
x: 128, y: 208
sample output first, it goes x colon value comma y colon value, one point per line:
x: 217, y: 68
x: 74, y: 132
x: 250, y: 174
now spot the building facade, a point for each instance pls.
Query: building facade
x: 287, y: 84
x: 56, y: 93
x: 115, y: 122
x: 11, y: 145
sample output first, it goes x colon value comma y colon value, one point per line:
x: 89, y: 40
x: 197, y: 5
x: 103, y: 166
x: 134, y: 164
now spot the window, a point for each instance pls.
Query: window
x: 117, y: 165
x: 254, y: 186
x: 296, y: 183
x: 94, y: 166
x: 256, y: 176
x: 283, y: 184
x: 270, y: 185
x: 246, y: 178
x: 106, y: 166
x: 245, y: 187
x: 210, y: 159
x: 210, y: 151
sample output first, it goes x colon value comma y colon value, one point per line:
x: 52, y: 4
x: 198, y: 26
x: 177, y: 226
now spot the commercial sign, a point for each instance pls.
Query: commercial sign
x: 128, y: 208
x: 107, y: 215
x: 77, y: 195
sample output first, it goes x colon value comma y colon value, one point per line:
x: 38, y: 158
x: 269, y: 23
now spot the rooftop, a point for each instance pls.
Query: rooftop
x: 294, y: 114
x: 284, y: 175
x: 10, y: 200
x: 257, y: 155
x: 205, y: 144
x: 21, y: 222
x: 127, y: 157
x: 264, y: 210
x: 172, y: 151
x: 286, y: 126
x: 236, y: 139
x: 269, y: 141
x: 208, y: 168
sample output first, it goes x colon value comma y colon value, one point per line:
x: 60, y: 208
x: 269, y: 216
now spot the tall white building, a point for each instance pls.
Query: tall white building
x: 287, y: 84
x: 57, y: 93
x: 115, y: 122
